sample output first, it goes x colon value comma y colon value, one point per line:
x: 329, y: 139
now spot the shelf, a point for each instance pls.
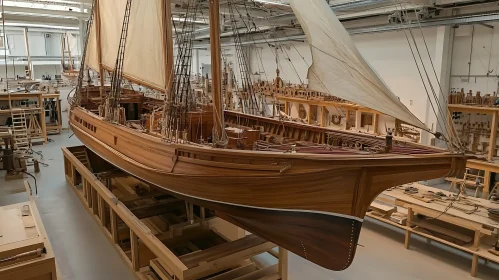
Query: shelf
x: 472, y: 109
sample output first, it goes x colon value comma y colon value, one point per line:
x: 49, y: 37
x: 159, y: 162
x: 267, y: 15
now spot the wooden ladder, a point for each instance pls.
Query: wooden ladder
x: 20, y: 130
x: 82, y: 156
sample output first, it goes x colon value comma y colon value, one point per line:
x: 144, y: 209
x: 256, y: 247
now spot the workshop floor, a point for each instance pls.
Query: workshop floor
x: 82, y: 252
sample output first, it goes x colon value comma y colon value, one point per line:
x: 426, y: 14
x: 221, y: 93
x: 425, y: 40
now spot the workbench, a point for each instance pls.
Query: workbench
x: 38, y: 110
x: 477, y: 226
x: 25, y: 251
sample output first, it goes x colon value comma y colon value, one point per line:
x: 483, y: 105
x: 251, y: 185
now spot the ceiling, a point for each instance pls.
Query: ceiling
x: 273, y: 19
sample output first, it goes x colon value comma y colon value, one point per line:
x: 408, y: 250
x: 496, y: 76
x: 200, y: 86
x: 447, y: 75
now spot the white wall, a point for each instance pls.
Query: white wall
x: 40, y: 43
x: 484, y: 58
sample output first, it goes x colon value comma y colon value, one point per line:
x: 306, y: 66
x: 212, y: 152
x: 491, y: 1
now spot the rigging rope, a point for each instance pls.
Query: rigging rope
x: 447, y: 127
x: 452, y: 133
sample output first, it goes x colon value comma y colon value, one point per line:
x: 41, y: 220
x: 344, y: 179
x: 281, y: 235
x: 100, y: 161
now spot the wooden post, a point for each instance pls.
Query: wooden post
x: 134, y: 241
x: 486, y: 184
x: 59, y: 112
x: 283, y: 263
x: 99, y: 48
x: 168, y: 43
x: 216, y: 88
x: 102, y: 211
x: 309, y: 119
x: 493, y: 134
x: 375, y: 123
x: 358, y: 118
x: 347, y: 119
x: 410, y: 217
x: 114, y: 226
x: 42, y: 118
x: 26, y: 42
x: 323, y: 116
x: 474, y: 265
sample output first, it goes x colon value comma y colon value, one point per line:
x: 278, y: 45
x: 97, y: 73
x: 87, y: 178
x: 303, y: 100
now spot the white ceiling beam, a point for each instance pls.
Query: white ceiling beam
x: 47, y: 12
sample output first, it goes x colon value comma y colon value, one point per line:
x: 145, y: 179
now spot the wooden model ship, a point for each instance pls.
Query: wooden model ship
x: 308, y: 194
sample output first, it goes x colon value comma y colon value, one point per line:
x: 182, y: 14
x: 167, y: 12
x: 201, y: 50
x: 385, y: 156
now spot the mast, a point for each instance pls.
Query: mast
x: 168, y: 43
x: 218, y: 113
x: 99, y: 49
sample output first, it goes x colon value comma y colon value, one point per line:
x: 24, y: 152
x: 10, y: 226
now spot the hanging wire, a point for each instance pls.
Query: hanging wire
x: 450, y: 129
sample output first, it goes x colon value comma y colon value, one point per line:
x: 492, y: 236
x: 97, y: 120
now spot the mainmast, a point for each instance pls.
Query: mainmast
x: 216, y: 71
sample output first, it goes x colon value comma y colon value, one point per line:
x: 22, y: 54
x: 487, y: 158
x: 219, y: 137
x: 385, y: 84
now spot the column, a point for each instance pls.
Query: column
x: 442, y: 64
x: 358, y: 117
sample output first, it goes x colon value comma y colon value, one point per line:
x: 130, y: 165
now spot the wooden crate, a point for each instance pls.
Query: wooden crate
x: 24, y: 241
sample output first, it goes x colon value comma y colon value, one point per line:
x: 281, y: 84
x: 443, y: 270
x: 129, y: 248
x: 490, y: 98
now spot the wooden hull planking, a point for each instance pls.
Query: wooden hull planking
x: 312, y: 205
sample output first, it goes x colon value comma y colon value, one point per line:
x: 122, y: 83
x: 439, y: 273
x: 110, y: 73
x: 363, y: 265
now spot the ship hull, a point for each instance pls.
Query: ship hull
x: 310, y: 205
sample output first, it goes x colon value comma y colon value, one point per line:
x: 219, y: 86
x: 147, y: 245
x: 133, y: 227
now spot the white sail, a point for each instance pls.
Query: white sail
x: 144, y: 60
x: 339, y: 69
x: 145, y: 47
x: 112, y: 13
x: 91, y: 59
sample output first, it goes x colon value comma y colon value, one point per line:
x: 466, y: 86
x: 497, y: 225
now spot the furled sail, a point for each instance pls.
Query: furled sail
x: 339, y: 69
x: 144, y: 60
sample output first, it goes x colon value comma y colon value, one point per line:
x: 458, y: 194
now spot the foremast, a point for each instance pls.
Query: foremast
x: 219, y: 136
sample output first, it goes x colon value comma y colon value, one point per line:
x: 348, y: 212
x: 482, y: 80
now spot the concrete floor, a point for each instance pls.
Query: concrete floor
x: 82, y: 251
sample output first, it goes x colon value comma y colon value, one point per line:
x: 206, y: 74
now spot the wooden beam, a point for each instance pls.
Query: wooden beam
x: 283, y: 263
x: 493, y: 134
x: 43, y: 123
x: 323, y: 115
x: 375, y: 123
x: 26, y: 42
x: 326, y: 103
x: 114, y: 226
x: 134, y: 241
x: 486, y: 184
x: 216, y: 88
x: 347, y: 119
x: 472, y: 109
x: 309, y: 118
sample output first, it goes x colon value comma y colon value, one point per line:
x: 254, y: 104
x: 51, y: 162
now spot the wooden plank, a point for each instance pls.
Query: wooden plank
x: 134, y: 241
x: 236, y: 272
x: 447, y: 232
x: 410, y: 218
x: 114, y: 226
x: 283, y: 263
x: 223, y: 250
x: 160, y: 271
x: 493, y: 134
x: 260, y: 273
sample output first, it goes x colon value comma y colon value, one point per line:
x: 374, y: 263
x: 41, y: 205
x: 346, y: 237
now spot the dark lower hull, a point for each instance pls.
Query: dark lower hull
x: 327, y: 240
